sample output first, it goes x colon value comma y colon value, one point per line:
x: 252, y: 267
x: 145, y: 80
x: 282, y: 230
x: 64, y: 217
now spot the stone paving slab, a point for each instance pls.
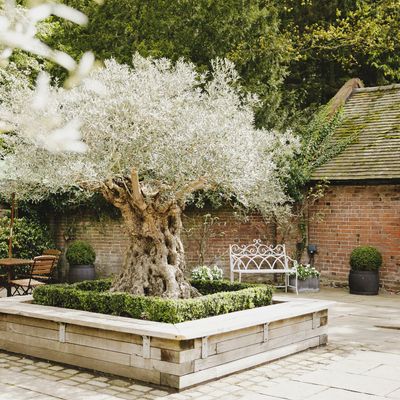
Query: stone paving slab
x: 246, y: 397
x: 340, y: 394
x: 385, y: 371
x: 41, y: 386
x: 394, y: 395
x: 373, y: 356
x: 353, y: 366
x: 353, y: 382
x: 293, y: 390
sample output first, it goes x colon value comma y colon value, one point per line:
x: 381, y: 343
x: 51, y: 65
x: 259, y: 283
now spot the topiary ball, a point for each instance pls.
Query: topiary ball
x: 365, y: 258
x: 80, y: 253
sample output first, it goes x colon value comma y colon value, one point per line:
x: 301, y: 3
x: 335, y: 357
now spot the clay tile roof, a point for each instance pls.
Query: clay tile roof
x: 373, y: 116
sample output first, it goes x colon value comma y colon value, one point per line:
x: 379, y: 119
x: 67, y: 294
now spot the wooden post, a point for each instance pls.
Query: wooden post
x: 316, y: 321
x: 204, y: 347
x: 146, y: 347
x: 61, y: 332
x: 11, y: 225
x: 266, y: 332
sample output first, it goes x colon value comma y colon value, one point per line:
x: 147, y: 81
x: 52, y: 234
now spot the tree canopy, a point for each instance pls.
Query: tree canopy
x: 155, y: 134
x: 168, y: 122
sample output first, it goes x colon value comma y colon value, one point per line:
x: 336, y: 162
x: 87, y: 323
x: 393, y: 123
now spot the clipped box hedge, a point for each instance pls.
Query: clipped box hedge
x: 219, y: 297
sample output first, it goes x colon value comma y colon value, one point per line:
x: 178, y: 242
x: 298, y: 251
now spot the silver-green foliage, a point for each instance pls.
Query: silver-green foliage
x: 173, y: 125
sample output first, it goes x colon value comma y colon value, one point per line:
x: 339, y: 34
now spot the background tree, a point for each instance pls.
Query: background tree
x: 340, y: 40
x: 247, y: 33
x: 155, y: 135
x: 295, y: 54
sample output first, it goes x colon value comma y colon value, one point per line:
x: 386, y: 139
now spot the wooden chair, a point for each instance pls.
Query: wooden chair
x: 42, y: 268
x: 57, y: 254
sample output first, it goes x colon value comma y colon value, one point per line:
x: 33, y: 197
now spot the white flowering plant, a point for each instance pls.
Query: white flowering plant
x: 205, y: 273
x: 305, y: 271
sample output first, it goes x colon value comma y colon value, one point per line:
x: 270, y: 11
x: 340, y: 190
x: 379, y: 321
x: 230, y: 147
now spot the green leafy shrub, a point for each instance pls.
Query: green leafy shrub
x: 30, y: 237
x: 80, y: 253
x: 205, y: 273
x: 94, y: 296
x: 98, y: 285
x: 210, y: 287
x: 365, y: 258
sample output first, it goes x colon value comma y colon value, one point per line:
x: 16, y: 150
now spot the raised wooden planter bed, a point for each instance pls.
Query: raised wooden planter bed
x: 174, y: 355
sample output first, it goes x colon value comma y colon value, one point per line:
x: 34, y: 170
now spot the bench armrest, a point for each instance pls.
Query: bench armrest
x: 295, y: 263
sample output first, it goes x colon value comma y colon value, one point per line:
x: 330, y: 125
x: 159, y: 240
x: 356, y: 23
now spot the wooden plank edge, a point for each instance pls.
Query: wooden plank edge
x: 144, y: 375
x: 182, y: 331
x: 219, y: 371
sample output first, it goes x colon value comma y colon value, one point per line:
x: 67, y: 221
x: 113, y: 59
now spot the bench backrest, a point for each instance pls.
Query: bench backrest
x: 258, y: 256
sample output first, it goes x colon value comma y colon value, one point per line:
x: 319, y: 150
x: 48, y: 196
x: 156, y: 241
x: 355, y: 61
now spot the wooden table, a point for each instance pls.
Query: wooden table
x: 10, y: 264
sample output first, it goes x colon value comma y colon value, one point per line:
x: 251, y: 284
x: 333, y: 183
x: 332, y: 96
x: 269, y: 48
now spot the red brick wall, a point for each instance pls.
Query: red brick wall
x: 107, y: 236
x: 351, y: 216
x: 110, y: 241
x: 354, y: 216
x: 225, y: 229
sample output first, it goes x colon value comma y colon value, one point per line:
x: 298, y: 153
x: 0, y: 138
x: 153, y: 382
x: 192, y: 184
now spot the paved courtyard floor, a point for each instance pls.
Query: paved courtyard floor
x: 361, y: 362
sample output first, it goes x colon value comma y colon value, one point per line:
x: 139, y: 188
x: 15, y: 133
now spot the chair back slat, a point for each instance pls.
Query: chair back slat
x: 43, y: 265
x: 53, y: 252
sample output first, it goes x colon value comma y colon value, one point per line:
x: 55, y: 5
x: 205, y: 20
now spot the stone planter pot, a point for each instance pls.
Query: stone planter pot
x: 309, y: 285
x: 364, y: 282
x: 79, y: 273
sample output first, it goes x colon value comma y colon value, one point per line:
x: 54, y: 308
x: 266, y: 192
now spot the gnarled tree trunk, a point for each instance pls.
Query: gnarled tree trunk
x: 154, y: 263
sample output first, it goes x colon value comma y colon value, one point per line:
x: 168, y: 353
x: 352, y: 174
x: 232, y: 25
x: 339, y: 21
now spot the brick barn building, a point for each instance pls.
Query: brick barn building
x: 362, y: 203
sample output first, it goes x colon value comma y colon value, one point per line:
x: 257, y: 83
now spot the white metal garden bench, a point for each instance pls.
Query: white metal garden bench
x: 258, y: 258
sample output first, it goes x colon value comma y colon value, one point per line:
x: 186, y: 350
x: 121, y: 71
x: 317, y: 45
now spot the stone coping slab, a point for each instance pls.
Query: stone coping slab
x: 283, y: 309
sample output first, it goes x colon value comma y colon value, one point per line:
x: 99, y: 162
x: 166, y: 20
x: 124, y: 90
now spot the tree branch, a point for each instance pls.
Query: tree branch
x: 108, y: 191
x: 191, y: 187
x: 137, y: 195
x: 90, y: 186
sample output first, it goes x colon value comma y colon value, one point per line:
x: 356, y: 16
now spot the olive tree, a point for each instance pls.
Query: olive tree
x: 21, y: 33
x: 156, y: 133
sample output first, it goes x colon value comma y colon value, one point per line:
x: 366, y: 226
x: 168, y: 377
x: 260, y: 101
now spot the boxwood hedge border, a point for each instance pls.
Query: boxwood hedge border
x: 219, y: 297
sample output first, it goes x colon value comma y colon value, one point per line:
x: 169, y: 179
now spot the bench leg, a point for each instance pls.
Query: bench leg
x: 240, y: 277
x: 232, y: 276
x: 286, y: 282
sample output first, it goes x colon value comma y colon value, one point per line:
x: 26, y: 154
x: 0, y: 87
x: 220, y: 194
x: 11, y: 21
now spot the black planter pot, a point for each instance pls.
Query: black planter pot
x: 79, y: 273
x: 364, y: 282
